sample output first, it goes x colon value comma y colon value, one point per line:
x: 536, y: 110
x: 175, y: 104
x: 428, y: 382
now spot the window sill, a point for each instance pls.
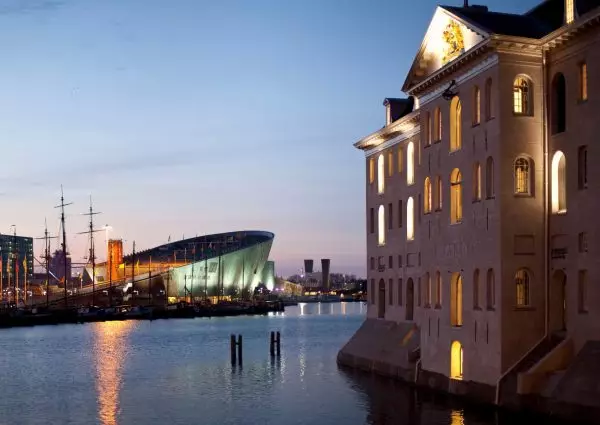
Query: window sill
x: 458, y: 223
x: 437, y: 141
x: 476, y: 124
x: 582, y: 101
x: 562, y: 212
x: 524, y: 308
x: 491, y: 309
x: 427, y: 145
x: 522, y: 115
x: 488, y: 119
x: 456, y: 326
x: 455, y: 151
x: 490, y: 198
x: 582, y: 312
x: 438, y: 307
x: 523, y: 195
x: 476, y: 201
x: 477, y: 309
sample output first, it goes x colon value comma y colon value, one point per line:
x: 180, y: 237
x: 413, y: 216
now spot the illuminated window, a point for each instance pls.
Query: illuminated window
x: 437, y: 124
x: 583, y: 81
x: 410, y: 219
x: 489, y: 111
x: 522, y: 96
x: 390, y: 164
x: 569, y: 11
x: 489, y: 178
x: 438, y: 290
x: 582, y: 167
x: 428, y: 129
x: 476, y: 106
x: 371, y: 170
x: 456, y: 197
x: 439, y: 193
x: 455, y: 124
x: 491, y: 290
x: 559, y: 104
x: 381, y: 174
x: 522, y: 287
x: 522, y: 176
x: 427, y: 201
x: 381, y: 225
x: 400, y: 159
x: 410, y: 164
x: 456, y: 361
x: 476, y: 304
x: 559, y: 183
x: 477, y: 182
x: 456, y: 300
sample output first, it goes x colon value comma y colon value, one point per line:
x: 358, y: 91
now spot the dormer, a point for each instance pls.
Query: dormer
x: 397, y: 108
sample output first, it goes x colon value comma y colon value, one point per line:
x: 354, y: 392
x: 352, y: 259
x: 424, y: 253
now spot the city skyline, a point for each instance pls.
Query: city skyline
x: 200, y: 118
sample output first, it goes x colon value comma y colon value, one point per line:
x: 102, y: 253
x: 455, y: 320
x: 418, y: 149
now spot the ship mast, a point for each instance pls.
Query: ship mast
x: 92, y: 256
x: 64, y: 235
x: 46, y: 257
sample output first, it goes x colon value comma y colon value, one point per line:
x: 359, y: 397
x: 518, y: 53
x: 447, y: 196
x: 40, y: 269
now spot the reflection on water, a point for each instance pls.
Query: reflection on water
x: 110, y: 348
x: 457, y: 417
x: 336, y: 309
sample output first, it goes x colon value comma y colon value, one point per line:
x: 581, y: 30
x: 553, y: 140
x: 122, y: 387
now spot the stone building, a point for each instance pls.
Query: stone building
x: 480, y: 201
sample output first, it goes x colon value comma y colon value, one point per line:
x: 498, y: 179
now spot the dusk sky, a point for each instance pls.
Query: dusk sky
x: 185, y: 117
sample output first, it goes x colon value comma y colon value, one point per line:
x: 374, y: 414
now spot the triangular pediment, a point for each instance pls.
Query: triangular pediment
x: 448, y: 38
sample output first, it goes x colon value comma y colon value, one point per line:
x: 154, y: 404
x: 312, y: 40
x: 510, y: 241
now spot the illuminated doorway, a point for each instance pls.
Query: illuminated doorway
x: 456, y: 361
x: 558, y: 301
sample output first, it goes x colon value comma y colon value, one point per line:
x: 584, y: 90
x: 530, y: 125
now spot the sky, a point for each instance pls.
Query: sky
x: 190, y: 117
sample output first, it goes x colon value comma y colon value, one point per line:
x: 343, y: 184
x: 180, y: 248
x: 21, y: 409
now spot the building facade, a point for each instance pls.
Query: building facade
x: 479, y: 198
x: 16, y: 263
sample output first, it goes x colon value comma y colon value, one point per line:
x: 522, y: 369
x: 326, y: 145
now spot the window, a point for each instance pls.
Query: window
x: 583, y: 244
x: 400, y: 214
x: 437, y: 124
x: 489, y: 111
x: 419, y: 292
x: 427, y: 201
x: 522, y: 176
x: 371, y: 170
x: 391, y: 291
x: 476, y: 105
x: 372, y: 295
x: 390, y: 217
x: 438, y: 290
x: 427, y: 129
x: 381, y: 226
x: 522, y: 287
x: 390, y: 164
x: 582, y: 291
x: 410, y: 220
x: 489, y: 178
x: 372, y: 220
x: 427, y: 282
x: 583, y: 82
x: 400, y: 160
x: 456, y: 294
x: 400, y: 291
x: 400, y: 261
x: 439, y: 193
x: 372, y: 263
x: 455, y: 124
x: 522, y: 96
x: 582, y: 167
x: 456, y: 197
x: 559, y: 104
x: 410, y: 164
x: 559, y: 183
x: 569, y: 11
x: 391, y: 261
x: 456, y: 361
x: 381, y: 174
x: 491, y: 290
x: 476, y: 304
x: 477, y: 182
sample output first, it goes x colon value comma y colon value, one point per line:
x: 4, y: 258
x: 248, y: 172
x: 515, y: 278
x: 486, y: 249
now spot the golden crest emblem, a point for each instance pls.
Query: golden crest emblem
x: 455, y: 43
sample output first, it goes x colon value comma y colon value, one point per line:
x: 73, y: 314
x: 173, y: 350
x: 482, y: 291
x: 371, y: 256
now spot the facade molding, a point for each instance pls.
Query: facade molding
x: 393, y: 141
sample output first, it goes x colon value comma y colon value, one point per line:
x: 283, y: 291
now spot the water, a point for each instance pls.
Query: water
x: 179, y: 372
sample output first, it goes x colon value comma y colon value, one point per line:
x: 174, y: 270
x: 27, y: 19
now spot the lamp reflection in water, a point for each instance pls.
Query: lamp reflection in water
x: 110, y: 349
x: 457, y: 417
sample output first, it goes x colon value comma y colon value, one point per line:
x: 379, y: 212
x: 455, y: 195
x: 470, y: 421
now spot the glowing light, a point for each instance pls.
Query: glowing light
x: 381, y: 225
x: 456, y: 361
x: 410, y: 164
x: 410, y: 219
x: 381, y: 174
x: 559, y: 190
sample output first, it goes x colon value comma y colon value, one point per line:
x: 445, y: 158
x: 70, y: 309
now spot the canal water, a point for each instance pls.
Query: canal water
x: 179, y: 372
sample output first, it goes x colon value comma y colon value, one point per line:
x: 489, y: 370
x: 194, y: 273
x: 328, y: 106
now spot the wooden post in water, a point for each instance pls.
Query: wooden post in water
x: 272, y: 344
x: 233, y: 353
x: 278, y: 344
x: 239, y: 347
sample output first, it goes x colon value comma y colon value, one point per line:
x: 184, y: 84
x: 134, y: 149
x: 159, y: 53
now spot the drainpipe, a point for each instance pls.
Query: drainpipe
x: 546, y: 197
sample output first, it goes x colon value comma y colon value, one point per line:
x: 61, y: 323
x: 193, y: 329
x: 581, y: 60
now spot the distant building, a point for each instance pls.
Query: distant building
x: 57, y: 267
x: 16, y: 256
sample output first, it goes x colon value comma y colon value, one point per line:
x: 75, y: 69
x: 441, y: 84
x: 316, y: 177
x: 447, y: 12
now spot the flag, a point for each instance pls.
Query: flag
x: 25, y: 264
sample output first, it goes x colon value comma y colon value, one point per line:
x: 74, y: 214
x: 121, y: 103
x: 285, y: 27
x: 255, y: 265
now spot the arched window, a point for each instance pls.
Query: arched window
x: 476, y: 105
x: 477, y: 182
x: 559, y: 104
x: 559, y: 183
x: 439, y: 193
x: 438, y: 290
x: 455, y: 124
x: 381, y: 225
x: 410, y: 163
x: 476, y: 304
x: 371, y: 170
x: 522, y: 287
x: 456, y: 300
x: 437, y: 124
x: 489, y: 178
x: 400, y: 159
x: 427, y: 201
x: 390, y: 164
x: 491, y: 290
x: 456, y: 207
x: 522, y: 96
x: 410, y: 219
x: 456, y: 361
x: 522, y: 176
x: 380, y: 174
x: 489, y: 111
